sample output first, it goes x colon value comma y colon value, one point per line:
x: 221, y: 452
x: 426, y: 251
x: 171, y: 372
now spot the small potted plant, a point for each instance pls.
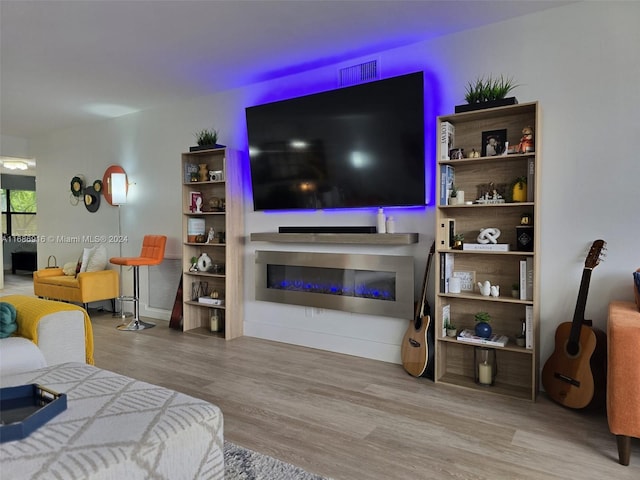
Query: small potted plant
x: 453, y: 196
x: 487, y: 93
x: 451, y: 329
x: 519, y: 190
x: 483, y: 329
x: 515, y: 290
x: 458, y: 241
x: 206, y: 139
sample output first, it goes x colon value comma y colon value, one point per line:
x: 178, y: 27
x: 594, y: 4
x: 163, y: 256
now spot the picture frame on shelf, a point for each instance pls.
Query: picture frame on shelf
x: 467, y: 280
x: 194, y: 205
x: 494, y: 142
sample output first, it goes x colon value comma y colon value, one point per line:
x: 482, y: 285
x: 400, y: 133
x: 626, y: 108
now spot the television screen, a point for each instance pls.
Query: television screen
x: 359, y: 146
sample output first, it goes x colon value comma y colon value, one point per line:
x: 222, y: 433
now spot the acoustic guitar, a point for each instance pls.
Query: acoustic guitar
x: 175, y: 321
x: 417, y: 349
x: 575, y: 373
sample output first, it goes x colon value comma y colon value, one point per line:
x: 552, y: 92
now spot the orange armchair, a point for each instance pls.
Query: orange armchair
x: 623, y: 382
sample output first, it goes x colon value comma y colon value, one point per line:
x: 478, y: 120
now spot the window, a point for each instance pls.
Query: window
x: 19, y: 213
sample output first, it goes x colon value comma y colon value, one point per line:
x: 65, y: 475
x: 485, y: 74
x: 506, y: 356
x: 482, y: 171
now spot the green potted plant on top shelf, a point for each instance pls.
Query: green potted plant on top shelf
x: 206, y: 139
x: 488, y: 92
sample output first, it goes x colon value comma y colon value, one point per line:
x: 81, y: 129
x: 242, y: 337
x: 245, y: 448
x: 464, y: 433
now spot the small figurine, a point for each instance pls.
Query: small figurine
x: 198, y: 205
x: 526, y: 142
x: 211, y: 237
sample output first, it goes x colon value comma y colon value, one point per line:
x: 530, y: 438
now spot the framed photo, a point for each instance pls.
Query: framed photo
x: 195, y: 202
x: 467, y: 280
x: 494, y: 142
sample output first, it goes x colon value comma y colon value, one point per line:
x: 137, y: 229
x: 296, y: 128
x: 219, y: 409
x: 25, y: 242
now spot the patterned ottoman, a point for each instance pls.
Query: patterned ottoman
x: 117, y: 428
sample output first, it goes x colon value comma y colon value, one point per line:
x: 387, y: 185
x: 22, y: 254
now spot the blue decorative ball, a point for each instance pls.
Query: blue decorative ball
x: 483, y: 329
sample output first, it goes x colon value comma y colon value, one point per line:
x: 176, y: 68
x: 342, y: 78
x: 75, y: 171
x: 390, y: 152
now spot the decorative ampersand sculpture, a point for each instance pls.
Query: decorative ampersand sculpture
x: 489, y: 235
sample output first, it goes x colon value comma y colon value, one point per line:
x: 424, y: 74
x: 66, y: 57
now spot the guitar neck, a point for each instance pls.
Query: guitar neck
x: 578, y: 315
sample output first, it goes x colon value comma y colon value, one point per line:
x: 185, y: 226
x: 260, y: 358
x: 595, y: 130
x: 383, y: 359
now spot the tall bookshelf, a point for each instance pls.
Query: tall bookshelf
x: 221, y: 210
x: 480, y: 177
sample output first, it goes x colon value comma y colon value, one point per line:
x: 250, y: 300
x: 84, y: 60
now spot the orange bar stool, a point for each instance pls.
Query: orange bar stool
x: 152, y: 254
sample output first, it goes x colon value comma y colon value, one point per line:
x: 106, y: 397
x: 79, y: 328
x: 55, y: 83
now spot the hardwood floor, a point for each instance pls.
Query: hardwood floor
x: 350, y: 418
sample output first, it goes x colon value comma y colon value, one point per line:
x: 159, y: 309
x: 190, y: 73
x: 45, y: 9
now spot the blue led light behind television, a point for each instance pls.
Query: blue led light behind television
x: 360, y: 146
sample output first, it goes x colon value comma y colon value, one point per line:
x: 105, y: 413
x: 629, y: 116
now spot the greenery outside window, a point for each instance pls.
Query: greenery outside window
x: 19, y: 213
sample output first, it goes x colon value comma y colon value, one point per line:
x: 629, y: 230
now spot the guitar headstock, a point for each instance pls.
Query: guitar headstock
x: 596, y: 252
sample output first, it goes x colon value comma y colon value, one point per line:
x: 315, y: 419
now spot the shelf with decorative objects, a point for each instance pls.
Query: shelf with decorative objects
x: 488, y: 206
x: 212, y: 243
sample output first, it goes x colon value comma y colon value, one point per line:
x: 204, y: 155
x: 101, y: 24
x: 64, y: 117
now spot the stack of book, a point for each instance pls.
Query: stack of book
x: 494, y: 340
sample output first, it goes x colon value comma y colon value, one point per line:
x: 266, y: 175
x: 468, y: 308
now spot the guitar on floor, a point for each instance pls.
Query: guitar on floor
x: 417, y: 349
x: 575, y: 373
x: 176, y: 314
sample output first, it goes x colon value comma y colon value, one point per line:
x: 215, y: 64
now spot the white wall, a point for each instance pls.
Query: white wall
x: 578, y: 61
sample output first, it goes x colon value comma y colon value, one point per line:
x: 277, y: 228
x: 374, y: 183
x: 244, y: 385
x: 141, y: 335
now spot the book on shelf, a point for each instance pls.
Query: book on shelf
x: 526, y: 279
x: 445, y: 233
x: 447, y: 179
x: 531, y: 179
x: 486, y: 247
x: 446, y: 318
x: 528, y: 327
x: 494, y: 340
x: 446, y: 271
x: 447, y: 137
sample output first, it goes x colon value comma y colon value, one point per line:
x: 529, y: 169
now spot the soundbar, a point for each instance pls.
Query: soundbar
x: 347, y: 229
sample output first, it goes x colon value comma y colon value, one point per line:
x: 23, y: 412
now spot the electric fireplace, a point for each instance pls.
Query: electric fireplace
x: 373, y: 284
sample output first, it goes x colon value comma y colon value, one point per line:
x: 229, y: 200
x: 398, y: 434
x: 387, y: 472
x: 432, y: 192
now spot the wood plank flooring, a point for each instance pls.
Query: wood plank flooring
x: 351, y: 418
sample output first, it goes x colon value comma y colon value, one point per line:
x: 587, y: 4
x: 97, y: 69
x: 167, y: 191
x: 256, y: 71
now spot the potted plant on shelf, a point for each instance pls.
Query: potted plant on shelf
x: 483, y: 329
x: 451, y: 329
x: 458, y: 241
x: 519, y: 190
x: 206, y: 139
x: 488, y: 93
x: 453, y: 196
x: 515, y: 290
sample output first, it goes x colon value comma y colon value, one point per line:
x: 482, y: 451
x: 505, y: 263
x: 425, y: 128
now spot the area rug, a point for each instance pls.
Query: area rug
x: 244, y: 464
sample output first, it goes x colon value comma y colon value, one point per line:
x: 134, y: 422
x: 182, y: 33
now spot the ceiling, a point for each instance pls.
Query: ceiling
x: 66, y: 63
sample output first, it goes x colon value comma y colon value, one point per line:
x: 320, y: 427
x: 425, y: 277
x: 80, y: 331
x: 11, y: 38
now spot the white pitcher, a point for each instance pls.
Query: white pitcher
x: 495, y: 290
x: 485, y: 288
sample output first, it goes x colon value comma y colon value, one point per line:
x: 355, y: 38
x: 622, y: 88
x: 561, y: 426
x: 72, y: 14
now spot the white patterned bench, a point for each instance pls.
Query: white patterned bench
x: 116, y: 428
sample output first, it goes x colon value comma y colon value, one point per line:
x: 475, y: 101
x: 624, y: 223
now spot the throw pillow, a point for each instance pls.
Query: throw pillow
x: 636, y: 290
x: 98, y: 259
x: 8, y: 323
x: 86, y: 254
x: 69, y: 268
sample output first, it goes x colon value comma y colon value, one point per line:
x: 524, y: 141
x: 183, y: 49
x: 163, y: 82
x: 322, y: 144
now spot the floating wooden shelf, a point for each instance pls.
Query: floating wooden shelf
x: 354, y: 238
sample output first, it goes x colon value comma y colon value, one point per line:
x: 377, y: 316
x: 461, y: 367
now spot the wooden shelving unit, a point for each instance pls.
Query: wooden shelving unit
x: 225, y: 251
x: 517, y: 367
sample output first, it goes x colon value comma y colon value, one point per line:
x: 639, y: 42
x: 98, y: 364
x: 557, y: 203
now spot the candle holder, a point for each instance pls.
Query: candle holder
x: 486, y: 365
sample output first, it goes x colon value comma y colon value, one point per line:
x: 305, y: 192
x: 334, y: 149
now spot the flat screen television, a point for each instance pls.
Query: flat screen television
x: 354, y: 147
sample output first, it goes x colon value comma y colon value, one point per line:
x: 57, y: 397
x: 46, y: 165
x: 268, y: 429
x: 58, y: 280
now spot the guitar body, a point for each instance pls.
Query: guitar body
x: 175, y: 320
x: 575, y: 375
x: 569, y: 379
x: 417, y: 348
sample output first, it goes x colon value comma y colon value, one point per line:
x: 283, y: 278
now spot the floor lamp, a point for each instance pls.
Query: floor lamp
x: 117, y: 188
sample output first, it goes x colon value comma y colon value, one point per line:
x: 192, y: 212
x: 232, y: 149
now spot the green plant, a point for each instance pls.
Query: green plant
x: 515, y: 286
x: 459, y: 237
x: 454, y: 191
x: 207, y: 137
x: 490, y: 89
x: 448, y: 325
x: 483, y: 317
x: 520, y: 181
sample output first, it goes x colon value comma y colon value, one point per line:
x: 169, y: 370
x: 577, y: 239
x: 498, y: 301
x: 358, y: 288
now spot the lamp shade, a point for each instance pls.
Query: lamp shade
x: 118, y: 186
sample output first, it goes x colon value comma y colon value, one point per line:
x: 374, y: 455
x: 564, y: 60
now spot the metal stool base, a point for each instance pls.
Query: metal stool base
x: 135, y: 325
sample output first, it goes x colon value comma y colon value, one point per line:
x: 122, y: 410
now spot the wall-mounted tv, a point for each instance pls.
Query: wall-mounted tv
x: 358, y: 146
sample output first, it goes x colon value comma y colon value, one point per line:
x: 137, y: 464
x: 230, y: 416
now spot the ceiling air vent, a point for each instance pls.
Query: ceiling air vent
x: 359, y: 73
